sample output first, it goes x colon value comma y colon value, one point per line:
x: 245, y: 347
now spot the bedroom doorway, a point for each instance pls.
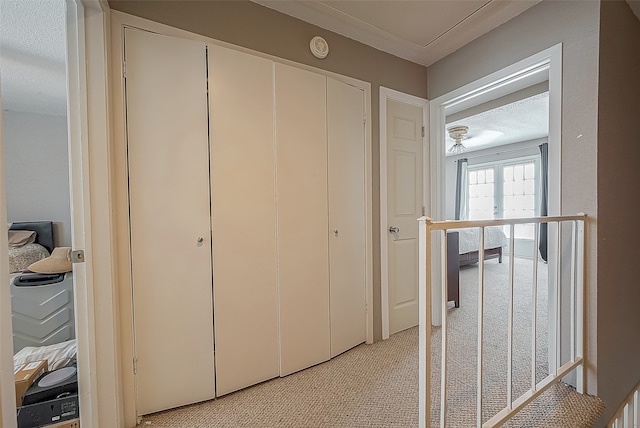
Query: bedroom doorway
x: 543, y: 68
x: 72, y: 16
x: 37, y: 204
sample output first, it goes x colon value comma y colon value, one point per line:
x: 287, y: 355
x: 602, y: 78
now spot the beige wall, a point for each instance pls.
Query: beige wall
x: 256, y: 27
x: 575, y: 25
x: 618, y: 204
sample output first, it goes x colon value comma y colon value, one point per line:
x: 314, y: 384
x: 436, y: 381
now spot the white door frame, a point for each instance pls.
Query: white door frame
x: 88, y: 120
x: 92, y: 202
x: 385, y: 95
x: 7, y: 390
x: 502, y: 82
x: 87, y: 32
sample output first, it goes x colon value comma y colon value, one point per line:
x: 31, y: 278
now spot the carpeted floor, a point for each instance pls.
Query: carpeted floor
x: 376, y: 385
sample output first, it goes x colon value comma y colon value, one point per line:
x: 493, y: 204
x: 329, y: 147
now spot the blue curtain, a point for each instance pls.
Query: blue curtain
x: 462, y: 189
x: 544, y: 198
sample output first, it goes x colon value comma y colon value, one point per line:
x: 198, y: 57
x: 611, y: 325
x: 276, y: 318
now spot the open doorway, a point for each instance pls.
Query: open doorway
x: 535, y: 81
x: 91, y: 225
x: 494, y: 169
x: 38, y: 211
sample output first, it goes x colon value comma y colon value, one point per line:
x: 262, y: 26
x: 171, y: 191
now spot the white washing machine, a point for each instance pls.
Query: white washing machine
x: 42, y: 309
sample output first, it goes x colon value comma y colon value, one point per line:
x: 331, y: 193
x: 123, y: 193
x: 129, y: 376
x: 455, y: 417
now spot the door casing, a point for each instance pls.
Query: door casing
x: 524, y: 73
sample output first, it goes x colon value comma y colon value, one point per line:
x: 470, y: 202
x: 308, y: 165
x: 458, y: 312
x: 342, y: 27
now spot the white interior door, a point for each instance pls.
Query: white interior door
x: 346, y: 145
x: 243, y: 219
x: 168, y: 157
x: 404, y: 207
x: 303, y: 260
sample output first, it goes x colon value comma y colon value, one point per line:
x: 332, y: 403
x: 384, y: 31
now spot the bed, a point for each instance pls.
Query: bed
x: 469, y: 243
x: 25, y: 251
x: 463, y: 249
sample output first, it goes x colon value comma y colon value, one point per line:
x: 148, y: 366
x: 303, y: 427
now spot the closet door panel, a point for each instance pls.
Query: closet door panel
x: 243, y: 219
x: 346, y: 156
x: 167, y: 146
x: 303, y: 272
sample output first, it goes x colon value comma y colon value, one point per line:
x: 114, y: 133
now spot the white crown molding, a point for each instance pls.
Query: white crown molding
x: 487, y: 17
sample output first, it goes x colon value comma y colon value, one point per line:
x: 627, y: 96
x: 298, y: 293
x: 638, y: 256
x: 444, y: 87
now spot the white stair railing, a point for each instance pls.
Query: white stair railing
x: 557, y: 370
x: 628, y: 415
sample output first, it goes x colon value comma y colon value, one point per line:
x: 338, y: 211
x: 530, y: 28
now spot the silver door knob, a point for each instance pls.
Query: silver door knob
x: 335, y: 232
x: 200, y: 240
x: 394, y: 229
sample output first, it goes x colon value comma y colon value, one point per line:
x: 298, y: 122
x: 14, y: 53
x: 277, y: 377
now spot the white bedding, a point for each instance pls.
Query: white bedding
x: 58, y: 355
x: 469, y: 239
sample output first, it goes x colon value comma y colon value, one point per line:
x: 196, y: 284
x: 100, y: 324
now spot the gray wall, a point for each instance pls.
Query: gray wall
x: 575, y: 25
x: 250, y: 25
x: 618, y: 203
x: 37, y: 168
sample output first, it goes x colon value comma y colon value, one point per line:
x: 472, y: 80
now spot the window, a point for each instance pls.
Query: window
x: 482, y: 192
x: 507, y: 189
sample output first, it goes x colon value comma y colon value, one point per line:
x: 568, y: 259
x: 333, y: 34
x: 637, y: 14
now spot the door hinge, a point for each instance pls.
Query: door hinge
x: 364, y: 118
x: 423, y: 132
x: 135, y: 365
x: 124, y: 70
x: 77, y: 256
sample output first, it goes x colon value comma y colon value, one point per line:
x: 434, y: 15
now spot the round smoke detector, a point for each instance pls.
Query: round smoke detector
x: 319, y: 47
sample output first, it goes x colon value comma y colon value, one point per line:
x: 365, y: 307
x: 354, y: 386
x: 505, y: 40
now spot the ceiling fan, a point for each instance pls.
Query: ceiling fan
x: 460, y: 133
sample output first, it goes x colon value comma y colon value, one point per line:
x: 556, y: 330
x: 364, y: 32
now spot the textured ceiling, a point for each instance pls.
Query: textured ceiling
x: 32, y: 56
x: 522, y: 120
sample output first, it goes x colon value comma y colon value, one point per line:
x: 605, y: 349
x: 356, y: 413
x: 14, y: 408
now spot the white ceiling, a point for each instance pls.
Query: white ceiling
x: 422, y: 31
x: 32, y: 56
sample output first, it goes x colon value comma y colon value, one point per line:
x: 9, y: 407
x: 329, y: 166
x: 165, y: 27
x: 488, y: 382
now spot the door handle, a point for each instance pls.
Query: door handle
x: 394, y: 229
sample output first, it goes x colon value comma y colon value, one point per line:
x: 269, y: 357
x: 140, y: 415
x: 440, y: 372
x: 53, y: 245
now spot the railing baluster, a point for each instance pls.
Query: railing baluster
x: 510, y: 322
x: 424, y: 339
x: 628, y: 415
x: 534, y: 311
x: 580, y: 304
x: 625, y: 416
x: 443, y: 362
x: 480, y: 325
x: 556, y: 314
x: 572, y: 283
x: 636, y: 409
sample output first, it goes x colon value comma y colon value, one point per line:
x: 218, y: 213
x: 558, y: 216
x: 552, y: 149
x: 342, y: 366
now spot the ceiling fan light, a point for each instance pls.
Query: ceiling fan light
x: 457, y: 148
x: 458, y: 133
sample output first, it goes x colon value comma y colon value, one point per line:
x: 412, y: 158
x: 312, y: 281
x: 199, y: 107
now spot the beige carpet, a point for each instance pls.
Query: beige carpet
x: 376, y: 385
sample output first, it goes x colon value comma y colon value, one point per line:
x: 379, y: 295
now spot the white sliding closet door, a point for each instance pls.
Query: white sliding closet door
x: 346, y: 140
x: 243, y: 219
x: 168, y: 157
x: 303, y: 261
